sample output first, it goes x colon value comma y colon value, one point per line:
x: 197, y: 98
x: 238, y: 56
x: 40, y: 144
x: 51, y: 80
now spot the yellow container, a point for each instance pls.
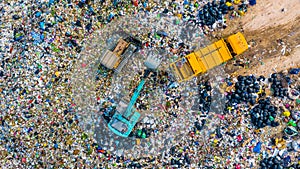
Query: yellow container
x: 228, y: 4
x: 138, y: 141
x: 179, y: 16
x: 236, y: 1
x: 57, y: 74
x: 286, y: 114
x: 241, y: 13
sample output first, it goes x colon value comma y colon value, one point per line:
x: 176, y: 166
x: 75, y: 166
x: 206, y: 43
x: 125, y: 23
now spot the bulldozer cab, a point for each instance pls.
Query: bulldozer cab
x: 121, y: 46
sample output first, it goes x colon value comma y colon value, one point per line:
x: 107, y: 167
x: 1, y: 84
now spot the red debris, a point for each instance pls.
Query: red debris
x: 135, y: 2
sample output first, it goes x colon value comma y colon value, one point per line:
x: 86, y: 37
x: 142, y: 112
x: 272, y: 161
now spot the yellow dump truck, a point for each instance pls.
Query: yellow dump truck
x: 202, y: 60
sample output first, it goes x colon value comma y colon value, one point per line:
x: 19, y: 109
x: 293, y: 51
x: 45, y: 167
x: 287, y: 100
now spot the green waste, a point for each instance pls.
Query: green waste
x: 53, y: 12
x: 168, y: 104
x: 139, y: 132
x: 157, y: 36
x: 158, y: 16
x: 292, y: 123
x: 84, y: 136
x: 54, y: 48
x: 89, y: 151
x: 144, y: 135
x: 18, y: 35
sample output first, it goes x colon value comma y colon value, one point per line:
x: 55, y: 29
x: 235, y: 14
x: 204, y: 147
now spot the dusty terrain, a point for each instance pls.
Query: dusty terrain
x: 274, y: 36
x: 277, y: 64
x: 268, y: 13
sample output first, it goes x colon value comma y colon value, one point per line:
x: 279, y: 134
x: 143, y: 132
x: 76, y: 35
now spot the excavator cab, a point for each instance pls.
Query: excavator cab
x: 121, y: 125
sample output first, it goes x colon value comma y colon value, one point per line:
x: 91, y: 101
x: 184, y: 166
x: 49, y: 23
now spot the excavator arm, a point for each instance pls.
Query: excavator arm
x: 136, y: 94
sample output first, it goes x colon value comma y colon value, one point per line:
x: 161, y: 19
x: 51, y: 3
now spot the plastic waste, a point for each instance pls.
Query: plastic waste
x: 286, y: 114
x: 292, y: 123
x: 257, y: 148
x: 252, y: 2
x: 291, y: 131
x: 295, y: 71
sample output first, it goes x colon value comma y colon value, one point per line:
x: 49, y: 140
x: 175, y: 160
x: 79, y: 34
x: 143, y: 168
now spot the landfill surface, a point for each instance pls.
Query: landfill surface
x: 57, y: 98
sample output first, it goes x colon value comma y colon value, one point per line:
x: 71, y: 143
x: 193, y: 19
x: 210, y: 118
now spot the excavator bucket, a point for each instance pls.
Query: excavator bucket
x: 152, y: 62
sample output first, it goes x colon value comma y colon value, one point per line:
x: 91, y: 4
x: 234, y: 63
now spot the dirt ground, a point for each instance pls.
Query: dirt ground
x: 270, y: 13
x: 277, y: 64
x: 272, y: 30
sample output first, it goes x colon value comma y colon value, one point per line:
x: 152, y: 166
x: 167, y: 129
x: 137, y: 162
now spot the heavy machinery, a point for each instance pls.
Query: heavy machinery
x: 126, y: 116
x: 117, y: 55
x: 204, y: 59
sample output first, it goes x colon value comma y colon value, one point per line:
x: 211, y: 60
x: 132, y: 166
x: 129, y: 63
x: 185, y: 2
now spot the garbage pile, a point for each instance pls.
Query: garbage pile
x: 264, y: 114
x: 278, y: 162
x: 245, y: 88
x: 204, y: 97
x: 277, y: 85
x: 40, y: 43
x: 214, y: 12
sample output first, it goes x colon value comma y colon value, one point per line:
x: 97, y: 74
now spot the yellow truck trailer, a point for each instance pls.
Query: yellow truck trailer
x: 202, y: 60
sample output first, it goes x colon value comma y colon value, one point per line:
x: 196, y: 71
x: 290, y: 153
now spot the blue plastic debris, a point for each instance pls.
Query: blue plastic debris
x: 295, y: 71
x: 257, y: 148
x: 19, y: 38
x: 42, y: 25
x: 115, y: 2
x: 38, y: 38
x: 173, y: 85
x: 186, y: 2
x: 38, y: 14
x: 252, y: 2
x: 99, y: 148
x: 229, y: 83
x: 91, y: 9
x: 162, y: 33
x: 111, y: 15
x: 29, y: 130
x: 287, y: 161
x: 50, y: 2
x: 145, y: 4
